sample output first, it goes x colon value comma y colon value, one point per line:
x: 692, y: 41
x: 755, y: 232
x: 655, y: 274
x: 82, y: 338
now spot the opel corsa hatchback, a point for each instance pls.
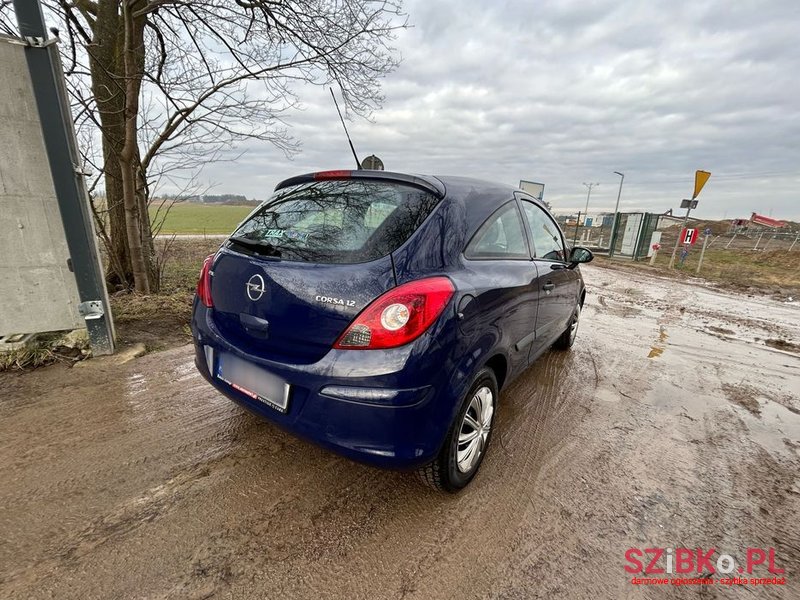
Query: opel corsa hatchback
x: 379, y: 314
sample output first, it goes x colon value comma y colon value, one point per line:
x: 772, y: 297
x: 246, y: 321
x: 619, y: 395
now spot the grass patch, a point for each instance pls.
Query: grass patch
x: 26, y: 358
x: 137, y: 307
x: 46, y: 349
x: 774, y: 272
x: 162, y: 320
x: 182, y: 260
x: 193, y: 218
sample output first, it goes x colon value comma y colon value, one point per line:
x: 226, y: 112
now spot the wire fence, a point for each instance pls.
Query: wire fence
x: 757, y: 241
x: 667, y: 228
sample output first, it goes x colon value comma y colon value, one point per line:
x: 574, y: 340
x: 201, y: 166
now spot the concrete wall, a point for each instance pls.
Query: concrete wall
x: 37, y: 289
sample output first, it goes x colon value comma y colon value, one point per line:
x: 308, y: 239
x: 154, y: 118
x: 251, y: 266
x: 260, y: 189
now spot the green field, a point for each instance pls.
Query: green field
x: 200, y: 218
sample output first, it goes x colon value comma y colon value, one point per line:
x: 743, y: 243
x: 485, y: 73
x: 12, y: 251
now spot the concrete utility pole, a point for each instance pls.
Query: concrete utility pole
x: 703, y: 251
x: 589, y: 193
x: 64, y: 162
x: 616, y: 212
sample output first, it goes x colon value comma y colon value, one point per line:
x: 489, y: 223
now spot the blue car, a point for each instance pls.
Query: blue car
x: 379, y: 314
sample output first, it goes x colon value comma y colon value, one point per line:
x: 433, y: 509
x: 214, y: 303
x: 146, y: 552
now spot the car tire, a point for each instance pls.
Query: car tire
x: 471, y: 431
x: 567, y: 339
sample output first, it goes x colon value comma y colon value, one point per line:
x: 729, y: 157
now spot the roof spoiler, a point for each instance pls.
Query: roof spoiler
x: 434, y: 186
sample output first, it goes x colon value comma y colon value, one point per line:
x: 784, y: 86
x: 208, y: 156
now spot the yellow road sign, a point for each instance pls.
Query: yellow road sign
x: 700, y: 178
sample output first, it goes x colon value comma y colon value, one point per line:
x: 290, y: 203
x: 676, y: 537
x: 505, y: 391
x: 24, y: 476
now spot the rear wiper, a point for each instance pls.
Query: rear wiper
x: 259, y: 246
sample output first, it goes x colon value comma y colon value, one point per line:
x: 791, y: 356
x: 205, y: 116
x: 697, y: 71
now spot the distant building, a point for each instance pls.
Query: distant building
x: 222, y: 198
x: 604, y: 220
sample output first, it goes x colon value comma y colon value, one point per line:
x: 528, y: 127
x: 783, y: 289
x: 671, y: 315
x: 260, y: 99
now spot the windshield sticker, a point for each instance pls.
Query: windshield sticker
x: 286, y: 234
x: 300, y: 236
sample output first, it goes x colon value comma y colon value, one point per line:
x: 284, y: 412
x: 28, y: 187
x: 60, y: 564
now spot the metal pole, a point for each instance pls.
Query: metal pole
x: 702, y: 254
x: 64, y: 162
x: 678, y: 240
x: 794, y: 242
x: 616, y: 211
x: 758, y: 241
x: 728, y: 245
x: 575, y: 237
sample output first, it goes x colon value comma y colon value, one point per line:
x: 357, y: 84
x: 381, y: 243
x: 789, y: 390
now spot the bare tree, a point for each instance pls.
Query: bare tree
x: 169, y: 85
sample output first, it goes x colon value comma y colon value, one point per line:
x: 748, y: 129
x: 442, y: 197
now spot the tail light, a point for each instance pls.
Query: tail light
x: 399, y: 316
x: 204, y: 282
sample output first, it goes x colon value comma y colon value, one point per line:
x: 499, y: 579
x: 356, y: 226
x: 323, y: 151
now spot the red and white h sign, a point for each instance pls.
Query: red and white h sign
x: 688, y: 236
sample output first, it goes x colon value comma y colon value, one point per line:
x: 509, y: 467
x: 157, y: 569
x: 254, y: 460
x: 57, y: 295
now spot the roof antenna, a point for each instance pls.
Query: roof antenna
x: 358, y: 163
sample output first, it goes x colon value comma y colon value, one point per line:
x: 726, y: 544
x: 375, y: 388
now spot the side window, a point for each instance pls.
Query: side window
x: 547, y: 241
x: 500, y: 237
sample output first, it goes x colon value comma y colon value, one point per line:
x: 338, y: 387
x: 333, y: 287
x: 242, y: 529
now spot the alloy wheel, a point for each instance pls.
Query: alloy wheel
x: 573, y: 327
x: 474, y: 431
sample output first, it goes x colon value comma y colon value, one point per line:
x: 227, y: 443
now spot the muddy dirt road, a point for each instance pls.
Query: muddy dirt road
x: 675, y: 422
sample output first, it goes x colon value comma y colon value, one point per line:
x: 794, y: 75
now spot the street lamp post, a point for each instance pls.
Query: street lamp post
x: 616, y: 212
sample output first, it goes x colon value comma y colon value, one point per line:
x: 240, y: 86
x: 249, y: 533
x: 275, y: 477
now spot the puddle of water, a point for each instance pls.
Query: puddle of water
x: 775, y: 423
x: 657, y: 349
x: 185, y: 371
x: 137, y: 384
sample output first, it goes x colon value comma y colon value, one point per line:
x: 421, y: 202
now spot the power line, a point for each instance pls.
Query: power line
x: 720, y: 177
x: 690, y: 178
x: 589, y: 186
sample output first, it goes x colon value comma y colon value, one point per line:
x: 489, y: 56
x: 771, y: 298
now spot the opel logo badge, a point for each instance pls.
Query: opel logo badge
x: 255, y: 287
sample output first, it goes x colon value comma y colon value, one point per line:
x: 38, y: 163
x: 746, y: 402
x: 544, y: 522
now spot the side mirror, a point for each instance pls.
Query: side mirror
x: 580, y: 255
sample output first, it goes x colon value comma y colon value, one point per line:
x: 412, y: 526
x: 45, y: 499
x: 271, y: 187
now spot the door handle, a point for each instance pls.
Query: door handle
x: 549, y: 286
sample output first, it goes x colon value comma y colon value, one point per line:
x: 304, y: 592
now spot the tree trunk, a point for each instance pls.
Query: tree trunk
x: 148, y: 246
x: 104, y: 54
x: 117, y: 64
x: 133, y: 65
x: 122, y: 275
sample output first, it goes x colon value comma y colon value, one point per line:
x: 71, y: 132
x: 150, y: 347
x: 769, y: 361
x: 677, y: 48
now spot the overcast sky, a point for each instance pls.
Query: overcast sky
x: 566, y: 92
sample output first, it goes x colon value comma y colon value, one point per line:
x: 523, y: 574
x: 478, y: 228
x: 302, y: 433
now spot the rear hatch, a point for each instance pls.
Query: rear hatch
x: 292, y: 277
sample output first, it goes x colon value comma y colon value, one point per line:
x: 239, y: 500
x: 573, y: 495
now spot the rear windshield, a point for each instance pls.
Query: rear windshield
x: 346, y: 221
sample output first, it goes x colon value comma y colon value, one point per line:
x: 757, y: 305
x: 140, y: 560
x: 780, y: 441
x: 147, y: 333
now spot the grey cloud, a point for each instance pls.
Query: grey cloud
x: 566, y: 92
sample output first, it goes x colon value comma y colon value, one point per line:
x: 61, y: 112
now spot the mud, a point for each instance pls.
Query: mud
x: 671, y: 424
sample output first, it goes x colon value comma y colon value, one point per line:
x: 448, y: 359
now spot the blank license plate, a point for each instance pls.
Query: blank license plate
x: 253, y: 381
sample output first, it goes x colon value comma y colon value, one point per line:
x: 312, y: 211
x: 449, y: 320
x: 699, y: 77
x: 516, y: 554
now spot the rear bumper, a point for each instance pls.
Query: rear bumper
x: 389, y: 408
